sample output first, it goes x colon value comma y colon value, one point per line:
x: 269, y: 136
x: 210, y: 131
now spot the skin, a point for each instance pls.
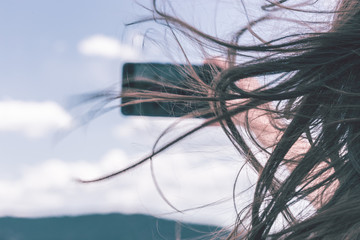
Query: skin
x: 262, y: 126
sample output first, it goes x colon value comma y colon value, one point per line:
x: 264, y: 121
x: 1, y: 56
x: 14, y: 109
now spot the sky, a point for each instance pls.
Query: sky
x: 53, y: 52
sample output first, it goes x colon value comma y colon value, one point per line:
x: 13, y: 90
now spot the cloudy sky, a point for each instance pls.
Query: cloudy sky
x: 52, y: 52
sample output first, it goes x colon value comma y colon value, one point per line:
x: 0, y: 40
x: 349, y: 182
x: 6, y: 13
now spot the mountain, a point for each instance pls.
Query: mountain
x: 104, y: 227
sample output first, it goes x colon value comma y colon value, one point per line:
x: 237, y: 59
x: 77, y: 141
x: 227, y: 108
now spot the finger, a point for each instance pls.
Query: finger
x: 218, y: 62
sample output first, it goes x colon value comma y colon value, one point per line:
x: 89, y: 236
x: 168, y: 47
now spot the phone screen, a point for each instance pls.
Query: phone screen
x: 135, y: 76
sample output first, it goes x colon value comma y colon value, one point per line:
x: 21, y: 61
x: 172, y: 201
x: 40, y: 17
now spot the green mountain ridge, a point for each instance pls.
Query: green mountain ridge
x: 101, y: 226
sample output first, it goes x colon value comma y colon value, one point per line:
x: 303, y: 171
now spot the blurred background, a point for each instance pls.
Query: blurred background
x: 53, y: 52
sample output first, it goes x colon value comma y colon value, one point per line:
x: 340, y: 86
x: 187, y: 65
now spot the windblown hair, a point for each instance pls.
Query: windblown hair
x: 316, y: 93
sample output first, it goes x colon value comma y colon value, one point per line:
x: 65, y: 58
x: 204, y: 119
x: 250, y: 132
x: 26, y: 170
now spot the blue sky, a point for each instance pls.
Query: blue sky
x: 52, y: 52
x: 40, y: 60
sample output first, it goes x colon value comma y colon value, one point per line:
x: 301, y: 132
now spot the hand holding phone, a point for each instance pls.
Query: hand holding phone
x: 163, y: 78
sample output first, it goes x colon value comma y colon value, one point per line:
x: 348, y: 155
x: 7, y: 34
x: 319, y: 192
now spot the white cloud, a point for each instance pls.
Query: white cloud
x: 107, y: 47
x: 188, y: 180
x: 34, y: 119
x: 150, y: 128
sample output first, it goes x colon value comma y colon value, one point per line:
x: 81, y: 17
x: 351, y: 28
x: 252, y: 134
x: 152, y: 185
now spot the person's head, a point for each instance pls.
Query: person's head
x: 313, y: 96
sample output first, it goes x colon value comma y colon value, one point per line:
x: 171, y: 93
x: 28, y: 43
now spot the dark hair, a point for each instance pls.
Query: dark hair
x: 316, y: 92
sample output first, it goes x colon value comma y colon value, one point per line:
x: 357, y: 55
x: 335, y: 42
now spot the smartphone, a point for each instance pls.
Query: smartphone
x: 162, y: 75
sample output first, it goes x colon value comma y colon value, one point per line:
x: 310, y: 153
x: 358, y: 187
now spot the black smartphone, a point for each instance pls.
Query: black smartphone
x: 135, y: 76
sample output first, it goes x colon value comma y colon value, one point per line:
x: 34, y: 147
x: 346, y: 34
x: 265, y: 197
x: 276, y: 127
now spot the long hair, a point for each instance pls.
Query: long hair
x: 314, y: 98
